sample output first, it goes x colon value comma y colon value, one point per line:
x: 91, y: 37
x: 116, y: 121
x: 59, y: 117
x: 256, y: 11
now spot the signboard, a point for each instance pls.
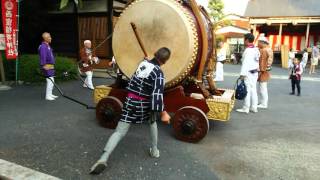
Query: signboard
x: 2, y: 42
x: 9, y: 20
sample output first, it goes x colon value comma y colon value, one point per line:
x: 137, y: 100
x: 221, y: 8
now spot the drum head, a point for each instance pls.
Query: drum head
x: 160, y: 23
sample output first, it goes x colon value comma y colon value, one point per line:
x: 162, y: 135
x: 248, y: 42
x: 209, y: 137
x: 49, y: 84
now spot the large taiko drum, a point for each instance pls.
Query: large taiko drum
x: 161, y: 23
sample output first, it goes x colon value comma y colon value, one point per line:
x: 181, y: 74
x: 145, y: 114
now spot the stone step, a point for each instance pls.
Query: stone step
x: 12, y: 171
x: 4, y: 87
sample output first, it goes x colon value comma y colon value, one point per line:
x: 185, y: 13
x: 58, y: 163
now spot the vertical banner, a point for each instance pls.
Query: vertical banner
x: 9, y: 21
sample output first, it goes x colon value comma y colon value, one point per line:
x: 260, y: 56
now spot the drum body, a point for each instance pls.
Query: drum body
x: 161, y: 23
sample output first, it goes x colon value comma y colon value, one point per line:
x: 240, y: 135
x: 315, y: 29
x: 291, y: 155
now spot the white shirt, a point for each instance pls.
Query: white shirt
x: 222, y: 55
x: 305, y: 58
x: 292, y: 55
x: 250, y: 60
x: 113, y: 60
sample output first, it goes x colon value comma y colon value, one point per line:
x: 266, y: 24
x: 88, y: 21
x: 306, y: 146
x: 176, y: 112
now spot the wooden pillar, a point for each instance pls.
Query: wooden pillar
x: 307, y: 34
x: 76, y: 34
x: 254, y: 29
x: 110, y: 25
x: 280, y: 34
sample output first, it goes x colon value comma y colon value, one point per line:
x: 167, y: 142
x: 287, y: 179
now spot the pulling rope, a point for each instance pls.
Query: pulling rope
x: 108, y: 37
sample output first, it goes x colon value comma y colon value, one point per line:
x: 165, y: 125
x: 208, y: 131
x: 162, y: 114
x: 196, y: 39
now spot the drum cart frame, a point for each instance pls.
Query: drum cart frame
x: 191, y: 115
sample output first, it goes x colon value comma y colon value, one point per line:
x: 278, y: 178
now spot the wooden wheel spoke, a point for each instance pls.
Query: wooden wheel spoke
x: 108, y: 112
x: 190, y: 124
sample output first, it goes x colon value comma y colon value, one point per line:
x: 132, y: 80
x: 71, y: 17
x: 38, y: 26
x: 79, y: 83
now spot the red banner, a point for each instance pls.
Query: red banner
x: 9, y: 21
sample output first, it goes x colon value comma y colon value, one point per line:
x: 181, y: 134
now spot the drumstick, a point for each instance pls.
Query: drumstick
x: 138, y: 38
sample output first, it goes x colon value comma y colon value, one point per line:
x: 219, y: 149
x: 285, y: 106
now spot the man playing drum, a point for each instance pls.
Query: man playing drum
x: 144, y: 103
x: 221, y: 57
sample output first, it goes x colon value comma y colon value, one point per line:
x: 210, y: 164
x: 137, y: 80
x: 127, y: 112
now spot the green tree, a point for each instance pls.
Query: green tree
x: 216, y: 9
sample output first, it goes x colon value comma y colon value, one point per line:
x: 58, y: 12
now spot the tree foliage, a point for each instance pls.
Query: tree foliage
x: 216, y: 9
x: 30, y: 71
x: 64, y: 3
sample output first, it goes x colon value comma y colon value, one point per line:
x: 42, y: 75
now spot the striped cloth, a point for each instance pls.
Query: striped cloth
x: 146, y: 82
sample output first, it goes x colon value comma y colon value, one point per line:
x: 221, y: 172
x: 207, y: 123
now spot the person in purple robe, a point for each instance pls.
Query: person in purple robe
x: 47, y: 64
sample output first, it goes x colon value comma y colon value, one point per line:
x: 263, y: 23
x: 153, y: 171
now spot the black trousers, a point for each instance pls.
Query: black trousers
x: 295, y: 82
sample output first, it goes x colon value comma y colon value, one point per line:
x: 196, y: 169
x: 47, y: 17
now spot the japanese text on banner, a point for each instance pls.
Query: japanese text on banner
x: 9, y: 19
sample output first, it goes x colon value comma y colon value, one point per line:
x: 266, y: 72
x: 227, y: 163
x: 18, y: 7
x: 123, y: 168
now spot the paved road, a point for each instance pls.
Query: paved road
x: 62, y: 139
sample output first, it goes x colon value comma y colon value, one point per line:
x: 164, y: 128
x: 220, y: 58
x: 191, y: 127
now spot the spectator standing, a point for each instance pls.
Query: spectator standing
x: 314, y: 59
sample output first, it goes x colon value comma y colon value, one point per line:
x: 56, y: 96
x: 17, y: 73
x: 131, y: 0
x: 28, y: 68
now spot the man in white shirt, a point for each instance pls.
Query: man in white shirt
x: 249, y: 73
x: 314, y: 59
x: 304, y: 61
x: 292, y: 55
x: 221, y: 57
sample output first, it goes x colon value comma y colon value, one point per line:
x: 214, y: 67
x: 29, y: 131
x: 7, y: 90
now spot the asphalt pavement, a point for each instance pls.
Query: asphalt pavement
x: 63, y: 139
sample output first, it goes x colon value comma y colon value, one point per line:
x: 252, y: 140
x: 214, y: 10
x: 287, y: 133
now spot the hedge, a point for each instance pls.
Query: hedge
x: 9, y: 67
x: 29, y: 70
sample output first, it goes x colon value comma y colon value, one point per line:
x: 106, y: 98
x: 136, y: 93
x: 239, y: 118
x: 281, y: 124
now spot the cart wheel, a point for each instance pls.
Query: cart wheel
x: 190, y: 124
x: 108, y: 112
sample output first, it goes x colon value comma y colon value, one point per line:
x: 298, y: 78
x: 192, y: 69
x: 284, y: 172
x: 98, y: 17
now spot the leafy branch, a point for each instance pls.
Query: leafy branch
x: 64, y: 3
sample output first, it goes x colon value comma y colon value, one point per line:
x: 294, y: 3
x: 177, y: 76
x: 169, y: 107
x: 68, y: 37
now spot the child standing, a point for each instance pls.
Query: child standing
x: 304, y: 61
x: 295, y: 76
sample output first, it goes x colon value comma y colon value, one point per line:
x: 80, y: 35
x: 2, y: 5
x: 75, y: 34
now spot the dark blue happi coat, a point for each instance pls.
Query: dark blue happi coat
x: 146, y: 82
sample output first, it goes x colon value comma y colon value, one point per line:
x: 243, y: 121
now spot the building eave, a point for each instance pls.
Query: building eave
x: 284, y: 20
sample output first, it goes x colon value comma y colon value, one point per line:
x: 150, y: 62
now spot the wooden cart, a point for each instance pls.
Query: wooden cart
x: 191, y: 116
x: 186, y: 29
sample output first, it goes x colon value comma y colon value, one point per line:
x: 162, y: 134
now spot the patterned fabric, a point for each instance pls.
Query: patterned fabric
x: 296, y: 71
x: 147, y: 82
x: 264, y: 75
x: 270, y: 56
x: 46, y: 57
x: 86, y: 56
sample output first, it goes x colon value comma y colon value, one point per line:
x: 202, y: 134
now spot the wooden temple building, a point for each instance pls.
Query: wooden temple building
x: 71, y: 25
x: 293, y: 23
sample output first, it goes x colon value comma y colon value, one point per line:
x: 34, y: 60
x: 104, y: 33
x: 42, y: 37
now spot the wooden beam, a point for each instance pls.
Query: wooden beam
x: 307, y: 34
x: 280, y: 34
x: 254, y: 29
x: 76, y: 26
x: 284, y: 20
x: 121, y: 1
x: 110, y: 25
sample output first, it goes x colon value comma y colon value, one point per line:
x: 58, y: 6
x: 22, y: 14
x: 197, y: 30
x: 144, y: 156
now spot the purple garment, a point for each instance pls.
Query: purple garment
x: 46, y: 57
